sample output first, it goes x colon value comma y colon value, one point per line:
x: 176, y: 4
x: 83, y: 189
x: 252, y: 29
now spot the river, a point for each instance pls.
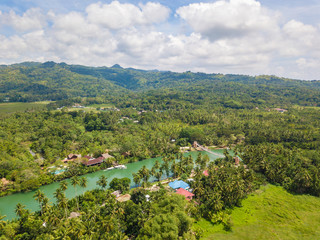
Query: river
x: 8, y: 203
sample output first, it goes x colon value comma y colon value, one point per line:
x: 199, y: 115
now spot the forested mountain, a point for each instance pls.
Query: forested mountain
x: 52, y: 81
x: 49, y: 81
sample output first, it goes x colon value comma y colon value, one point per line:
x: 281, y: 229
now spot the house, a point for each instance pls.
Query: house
x: 77, y: 105
x: 74, y: 215
x: 106, y: 155
x: 280, y: 110
x: 92, y: 161
x: 74, y: 156
x: 188, y: 195
x: 71, y: 157
x: 205, y: 172
x: 179, y: 184
x: 126, y: 154
x: 124, y: 198
x: 88, y: 157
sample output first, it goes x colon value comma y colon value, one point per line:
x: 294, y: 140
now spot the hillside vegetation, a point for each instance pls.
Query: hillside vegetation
x: 52, y: 81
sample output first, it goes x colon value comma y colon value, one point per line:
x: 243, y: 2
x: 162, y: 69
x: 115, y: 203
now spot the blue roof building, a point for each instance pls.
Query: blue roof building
x: 179, y: 184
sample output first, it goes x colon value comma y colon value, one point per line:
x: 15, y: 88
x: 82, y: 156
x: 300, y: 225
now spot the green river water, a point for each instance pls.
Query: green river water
x: 8, y: 203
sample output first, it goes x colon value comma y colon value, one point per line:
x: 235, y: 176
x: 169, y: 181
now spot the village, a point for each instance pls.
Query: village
x: 171, y: 184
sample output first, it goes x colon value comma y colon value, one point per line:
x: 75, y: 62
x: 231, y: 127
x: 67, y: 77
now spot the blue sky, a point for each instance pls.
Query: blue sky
x: 227, y: 36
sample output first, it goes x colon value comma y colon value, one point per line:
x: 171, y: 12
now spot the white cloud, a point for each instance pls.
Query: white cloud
x: 300, y: 39
x: 228, y: 36
x: 116, y: 15
x: 32, y: 19
x: 225, y: 19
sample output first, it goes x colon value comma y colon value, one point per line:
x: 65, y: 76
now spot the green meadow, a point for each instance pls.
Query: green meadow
x: 13, y: 107
x: 270, y: 213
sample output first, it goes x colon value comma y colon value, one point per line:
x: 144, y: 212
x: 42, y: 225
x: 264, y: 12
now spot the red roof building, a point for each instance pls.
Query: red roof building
x: 93, y: 161
x: 188, y: 195
x: 88, y: 157
x: 205, y: 172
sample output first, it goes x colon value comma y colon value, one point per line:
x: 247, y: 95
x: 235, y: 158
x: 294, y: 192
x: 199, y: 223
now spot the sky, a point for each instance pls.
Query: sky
x: 266, y: 37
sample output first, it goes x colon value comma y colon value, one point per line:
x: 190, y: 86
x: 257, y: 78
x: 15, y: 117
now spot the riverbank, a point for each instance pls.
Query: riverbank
x: 56, y: 173
x: 8, y: 203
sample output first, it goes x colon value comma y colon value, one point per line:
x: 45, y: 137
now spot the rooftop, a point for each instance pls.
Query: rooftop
x: 94, y: 161
x: 179, y: 184
x: 185, y: 193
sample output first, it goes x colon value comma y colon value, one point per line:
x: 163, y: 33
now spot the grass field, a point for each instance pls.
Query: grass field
x: 21, y: 107
x: 270, y: 213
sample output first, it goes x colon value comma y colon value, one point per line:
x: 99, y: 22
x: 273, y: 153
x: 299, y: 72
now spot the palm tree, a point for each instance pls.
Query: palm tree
x: 20, y: 211
x: 53, y: 218
x: 58, y: 194
x: 2, y: 223
x: 165, y: 168
x: 61, y: 199
x: 199, y: 159
x: 74, y: 182
x: 136, y: 178
x: 64, y: 185
x: 45, y: 204
x: 83, y: 182
x: 102, y: 182
x: 39, y: 196
x: 63, y: 203
x: 174, y: 169
x: 153, y: 171
x: 145, y: 174
x: 205, y: 161
x: 158, y: 175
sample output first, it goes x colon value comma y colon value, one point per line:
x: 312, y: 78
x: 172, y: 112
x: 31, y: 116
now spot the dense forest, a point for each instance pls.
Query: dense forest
x: 272, y: 123
x: 28, y: 82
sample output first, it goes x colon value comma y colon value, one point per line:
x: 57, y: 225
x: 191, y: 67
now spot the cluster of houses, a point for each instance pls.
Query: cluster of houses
x: 179, y: 186
x: 182, y: 188
x: 77, y: 105
x: 126, y: 118
x: 88, y: 160
x: 108, y: 109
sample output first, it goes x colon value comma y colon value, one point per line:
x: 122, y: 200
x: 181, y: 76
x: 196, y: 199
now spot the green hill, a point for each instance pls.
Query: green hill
x: 53, y: 81
x: 50, y: 81
x: 270, y: 213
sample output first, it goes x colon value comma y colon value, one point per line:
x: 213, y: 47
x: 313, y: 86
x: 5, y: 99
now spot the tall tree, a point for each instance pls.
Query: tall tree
x: 64, y: 185
x: 136, y: 178
x: 39, y: 196
x: 145, y: 174
x: 74, y: 182
x: 102, y: 182
x: 20, y: 210
x: 83, y: 182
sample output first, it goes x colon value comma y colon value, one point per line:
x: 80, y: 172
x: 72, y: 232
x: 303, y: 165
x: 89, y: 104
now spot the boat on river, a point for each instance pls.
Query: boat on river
x: 110, y: 168
x: 116, y: 167
x: 121, y: 167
